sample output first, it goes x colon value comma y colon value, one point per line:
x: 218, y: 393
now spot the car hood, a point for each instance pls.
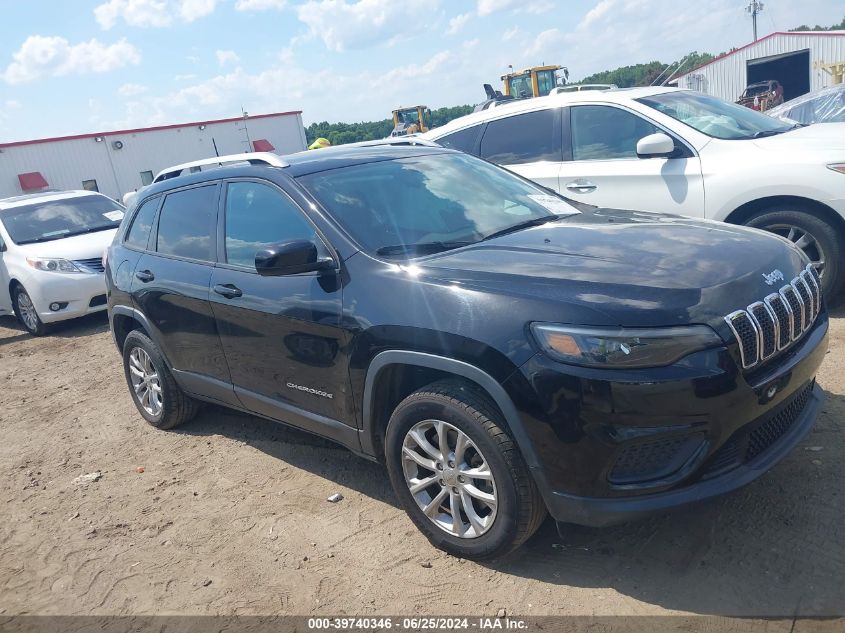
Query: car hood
x: 819, y: 136
x: 627, y: 268
x: 85, y: 246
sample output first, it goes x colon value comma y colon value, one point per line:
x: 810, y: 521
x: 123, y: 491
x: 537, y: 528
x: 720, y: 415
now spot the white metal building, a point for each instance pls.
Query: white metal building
x: 790, y: 58
x: 115, y: 163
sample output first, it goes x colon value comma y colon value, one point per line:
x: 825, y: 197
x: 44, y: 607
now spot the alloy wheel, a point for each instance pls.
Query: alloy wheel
x: 28, y: 313
x: 145, y: 381
x: 804, y: 240
x: 449, y: 478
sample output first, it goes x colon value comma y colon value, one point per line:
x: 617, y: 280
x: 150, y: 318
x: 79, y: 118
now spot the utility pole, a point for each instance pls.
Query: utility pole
x: 754, y: 7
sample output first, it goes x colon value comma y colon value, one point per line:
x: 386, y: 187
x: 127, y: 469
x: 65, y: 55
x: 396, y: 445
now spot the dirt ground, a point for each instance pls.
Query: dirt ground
x: 230, y: 517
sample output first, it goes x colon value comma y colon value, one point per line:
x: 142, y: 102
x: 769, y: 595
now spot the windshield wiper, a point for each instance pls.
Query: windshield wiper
x: 522, y: 225
x: 765, y: 133
x: 93, y: 229
x: 420, y: 248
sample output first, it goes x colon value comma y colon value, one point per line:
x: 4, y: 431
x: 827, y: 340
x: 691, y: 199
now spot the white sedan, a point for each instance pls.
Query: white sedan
x: 51, y: 255
x: 675, y: 151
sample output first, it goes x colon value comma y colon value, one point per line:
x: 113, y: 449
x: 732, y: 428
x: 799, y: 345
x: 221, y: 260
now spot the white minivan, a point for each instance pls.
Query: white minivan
x: 51, y: 255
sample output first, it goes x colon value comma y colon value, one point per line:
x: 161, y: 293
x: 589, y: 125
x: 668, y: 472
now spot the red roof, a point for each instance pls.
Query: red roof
x: 262, y: 145
x: 146, y: 129
x: 765, y: 37
x: 32, y: 181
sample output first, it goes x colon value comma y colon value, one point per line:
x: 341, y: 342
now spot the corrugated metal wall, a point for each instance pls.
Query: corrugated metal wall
x: 67, y: 163
x: 726, y: 78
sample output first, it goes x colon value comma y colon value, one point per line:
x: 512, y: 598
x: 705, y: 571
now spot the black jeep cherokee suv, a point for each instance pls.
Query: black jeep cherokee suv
x: 503, y: 352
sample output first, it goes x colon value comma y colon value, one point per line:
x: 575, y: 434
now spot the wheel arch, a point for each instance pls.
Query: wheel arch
x: 124, y: 320
x: 394, y: 374
x: 746, y: 211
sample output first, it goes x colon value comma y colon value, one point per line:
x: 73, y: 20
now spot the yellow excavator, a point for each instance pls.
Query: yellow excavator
x: 537, y: 81
x: 413, y: 120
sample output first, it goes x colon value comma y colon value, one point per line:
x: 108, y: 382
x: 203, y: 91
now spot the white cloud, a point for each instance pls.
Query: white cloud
x: 190, y: 10
x: 189, y: 77
x: 151, y: 13
x: 131, y: 90
x: 458, y: 22
x: 226, y: 57
x: 511, y: 33
x: 538, y: 7
x: 486, y: 7
x: 259, y: 5
x: 344, y: 25
x: 596, y: 13
x: 11, y: 104
x: 545, y: 42
x: 41, y: 56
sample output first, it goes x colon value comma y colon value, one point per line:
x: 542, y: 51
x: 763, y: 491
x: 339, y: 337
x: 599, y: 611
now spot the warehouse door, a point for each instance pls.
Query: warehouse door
x: 792, y: 70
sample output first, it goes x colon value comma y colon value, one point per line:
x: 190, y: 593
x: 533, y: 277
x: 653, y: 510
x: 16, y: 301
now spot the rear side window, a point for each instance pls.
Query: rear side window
x: 186, y: 225
x: 462, y: 140
x: 524, y: 138
x: 257, y: 216
x: 139, y: 232
x: 606, y: 133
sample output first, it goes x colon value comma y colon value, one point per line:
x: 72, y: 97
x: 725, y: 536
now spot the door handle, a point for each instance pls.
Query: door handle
x: 229, y: 291
x: 581, y: 186
x: 145, y: 275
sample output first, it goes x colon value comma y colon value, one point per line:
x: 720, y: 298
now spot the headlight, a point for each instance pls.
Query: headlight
x: 840, y: 167
x: 622, y: 347
x: 53, y: 265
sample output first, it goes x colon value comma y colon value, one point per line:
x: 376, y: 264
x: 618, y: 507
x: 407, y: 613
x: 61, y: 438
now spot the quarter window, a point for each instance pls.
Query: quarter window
x: 524, y: 138
x: 146, y: 178
x: 139, y: 232
x: 258, y: 216
x: 606, y: 133
x: 186, y: 224
x: 90, y: 185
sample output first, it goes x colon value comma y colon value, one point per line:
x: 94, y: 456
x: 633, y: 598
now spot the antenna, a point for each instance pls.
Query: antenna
x: 754, y: 7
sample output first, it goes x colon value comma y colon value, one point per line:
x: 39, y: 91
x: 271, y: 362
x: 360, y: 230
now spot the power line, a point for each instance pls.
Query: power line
x: 754, y: 7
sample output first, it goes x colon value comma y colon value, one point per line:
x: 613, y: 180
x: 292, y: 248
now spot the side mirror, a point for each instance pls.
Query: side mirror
x: 658, y: 145
x: 291, y: 258
x: 2, y: 245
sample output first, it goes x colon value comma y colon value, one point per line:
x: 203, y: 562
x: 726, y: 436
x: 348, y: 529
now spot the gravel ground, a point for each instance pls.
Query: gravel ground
x: 230, y: 516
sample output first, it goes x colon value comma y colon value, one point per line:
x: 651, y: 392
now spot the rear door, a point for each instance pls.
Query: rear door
x: 5, y: 298
x: 170, y: 286
x: 606, y: 171
x: 281, y: 335
x: 529, y: 144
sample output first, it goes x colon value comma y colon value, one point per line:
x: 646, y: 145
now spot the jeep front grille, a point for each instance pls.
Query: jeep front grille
x: 766, y: 327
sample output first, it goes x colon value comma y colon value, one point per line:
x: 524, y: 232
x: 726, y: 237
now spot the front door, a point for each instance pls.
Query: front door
x: 605, y: 170
x: 5, y: 298
x: 171, y: 284
x: 281, y: 335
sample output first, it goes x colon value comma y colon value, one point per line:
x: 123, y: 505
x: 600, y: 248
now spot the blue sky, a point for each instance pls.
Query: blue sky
x: 79, y: 66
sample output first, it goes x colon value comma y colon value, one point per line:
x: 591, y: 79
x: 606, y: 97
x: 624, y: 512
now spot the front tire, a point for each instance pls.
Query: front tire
x: 814, y: 235
x: 26, y: 312
x: 153, y: 389
x: 458, y: 473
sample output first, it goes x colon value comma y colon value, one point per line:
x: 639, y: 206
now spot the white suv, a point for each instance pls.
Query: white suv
x: 675, y: 151
x: 51, y: 251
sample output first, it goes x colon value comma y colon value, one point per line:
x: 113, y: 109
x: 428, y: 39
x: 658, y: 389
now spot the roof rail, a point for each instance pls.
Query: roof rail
x: 408, y: 139
x: 253, y: 158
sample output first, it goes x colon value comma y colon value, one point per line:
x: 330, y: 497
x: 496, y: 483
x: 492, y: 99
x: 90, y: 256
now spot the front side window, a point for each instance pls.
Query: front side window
x: 56, y: 219
x: 714, y: 117
x: 606, y: 133
x: 462, y: 140
x: 524, y: 138
x: 258, y: 216
x: 186, y: 225
x: 139, y: 232
x: 428, y: 203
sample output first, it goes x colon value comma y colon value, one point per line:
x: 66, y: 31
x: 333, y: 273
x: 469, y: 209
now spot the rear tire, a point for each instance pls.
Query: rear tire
x: 26, y: 312
x: 482, y: 478
x: 818, y: 238
x: 153, y: 389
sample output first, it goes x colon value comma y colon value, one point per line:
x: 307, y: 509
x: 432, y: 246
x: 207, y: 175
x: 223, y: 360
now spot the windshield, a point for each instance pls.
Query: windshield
x: 55, y: 219
x: 715, y: 117
x: 428, y: 203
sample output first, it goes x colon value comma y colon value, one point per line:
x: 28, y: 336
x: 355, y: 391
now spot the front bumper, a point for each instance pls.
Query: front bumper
x: 599, y: 512
x: 83, y: 293
x: 609, y: 446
